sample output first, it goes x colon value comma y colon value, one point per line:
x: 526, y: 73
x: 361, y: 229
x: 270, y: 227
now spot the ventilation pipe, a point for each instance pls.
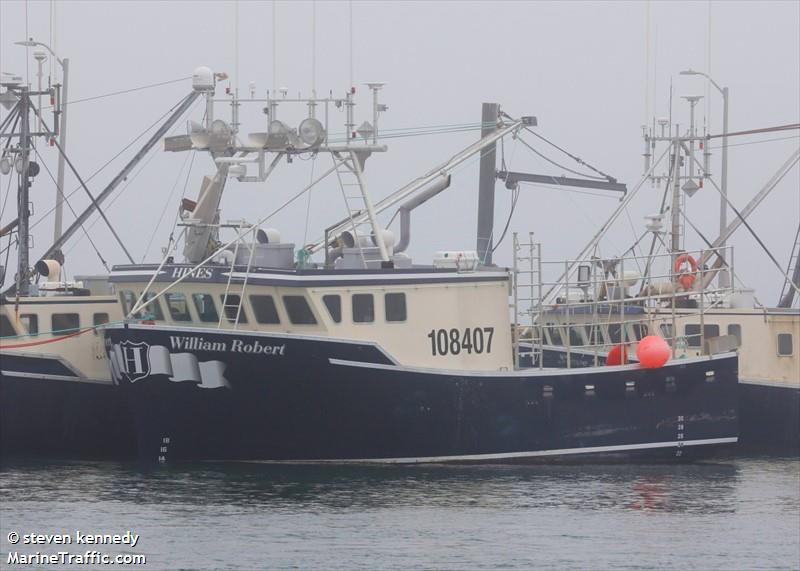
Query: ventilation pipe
x: 406, y: 208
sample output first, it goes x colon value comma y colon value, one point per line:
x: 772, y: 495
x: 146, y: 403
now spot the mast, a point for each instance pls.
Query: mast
x: 489, y: 113
x: 675, y: 210
x: 23, y: 265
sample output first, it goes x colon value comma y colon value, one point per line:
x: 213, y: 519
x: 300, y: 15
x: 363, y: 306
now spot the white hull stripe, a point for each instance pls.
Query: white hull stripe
x: 448, y: 276
x: 509, y: 455
x: 292, y: 277
x: 49, y: 377
x: 524, y: 373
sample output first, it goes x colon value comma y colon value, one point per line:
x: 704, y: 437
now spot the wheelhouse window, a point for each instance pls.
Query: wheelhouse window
x: 595, y: 335
x: 127, y: 299
x: 363, y: 308
x: 65, y: 322
x: 736, y: 330
x: 640, y: 331
x: 264, y: 309
x: 231, y: 305
x: 178, y: 307
x: 692, y: 332
x: 575, y: 336
x: 334, y: 305
x: 99, y: 319
x: 204, y: 305
x: 784, y: 344
x: 615, y: 333
x: 153, y: 309
x: 395, y: 304
x: 298, y: 310
x: 554, y: 331
x: 31, y: 323
x: 666, y: 331
x: 6, y: 328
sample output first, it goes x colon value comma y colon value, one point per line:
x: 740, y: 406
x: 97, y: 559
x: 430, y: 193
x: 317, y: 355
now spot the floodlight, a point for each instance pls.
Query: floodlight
x: 311, y: 132
x: 278, y: 128
x: 199, y: 135
x: 277, y: 134
x: 5, y: 165
x: 220, y: 134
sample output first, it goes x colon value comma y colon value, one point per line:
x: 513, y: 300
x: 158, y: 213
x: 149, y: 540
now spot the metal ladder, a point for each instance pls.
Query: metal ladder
x: 358, y: 203
x: 229, y: 308
x: 793, y: 260
x: 527, y: 291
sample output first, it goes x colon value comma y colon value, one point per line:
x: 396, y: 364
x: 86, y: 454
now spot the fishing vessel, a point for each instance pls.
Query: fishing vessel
x: 250, y: 349
x: 695, y: 300
x: 57, y: 397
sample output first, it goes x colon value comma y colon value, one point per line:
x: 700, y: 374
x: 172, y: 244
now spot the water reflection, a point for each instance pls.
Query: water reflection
x: 452, y: 517
x: 705, y: 488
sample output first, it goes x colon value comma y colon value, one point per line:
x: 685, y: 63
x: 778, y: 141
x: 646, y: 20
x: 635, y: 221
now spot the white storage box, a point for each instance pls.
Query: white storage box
x: 456, y: 259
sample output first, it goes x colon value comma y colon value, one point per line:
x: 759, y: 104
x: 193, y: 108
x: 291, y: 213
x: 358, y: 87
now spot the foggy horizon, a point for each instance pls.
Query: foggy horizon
x: 591, y: 73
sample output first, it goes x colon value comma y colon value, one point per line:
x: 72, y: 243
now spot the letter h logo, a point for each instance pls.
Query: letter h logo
x: 135, y: 364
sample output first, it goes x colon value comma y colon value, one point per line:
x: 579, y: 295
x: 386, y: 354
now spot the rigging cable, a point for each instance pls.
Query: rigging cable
x: 573, y: 157
x: 757, y: 142
x: 787, y: 127
x: 753, y: 232
x: 86, y: 188
x: 557, y: 164
x: 123, y: 91
x: 111, y: 160
x: 514, y: 196
x: 308, y: 202
x: 129, y: 180
x: 169, y: 198
x: 94, y: 246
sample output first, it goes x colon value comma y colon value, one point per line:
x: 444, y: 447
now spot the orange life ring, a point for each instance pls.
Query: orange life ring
x: 685, y: 278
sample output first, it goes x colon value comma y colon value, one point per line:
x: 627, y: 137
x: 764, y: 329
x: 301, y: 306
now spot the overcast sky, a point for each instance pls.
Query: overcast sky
x: 592, y: 73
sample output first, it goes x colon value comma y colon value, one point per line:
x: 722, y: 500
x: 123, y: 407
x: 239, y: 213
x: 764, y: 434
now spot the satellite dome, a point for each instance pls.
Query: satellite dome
x: 203, y: 79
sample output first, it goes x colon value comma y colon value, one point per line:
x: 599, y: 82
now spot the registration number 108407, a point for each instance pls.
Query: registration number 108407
x: 454, y: 341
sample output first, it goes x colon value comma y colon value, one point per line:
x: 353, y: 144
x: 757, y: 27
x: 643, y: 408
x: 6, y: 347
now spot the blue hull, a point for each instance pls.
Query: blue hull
x: 770, y: 417
x: 73, y: 419
x: 316, y: 399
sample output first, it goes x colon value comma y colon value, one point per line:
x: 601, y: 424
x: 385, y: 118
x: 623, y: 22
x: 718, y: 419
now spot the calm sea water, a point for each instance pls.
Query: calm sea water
x: 741, y: 513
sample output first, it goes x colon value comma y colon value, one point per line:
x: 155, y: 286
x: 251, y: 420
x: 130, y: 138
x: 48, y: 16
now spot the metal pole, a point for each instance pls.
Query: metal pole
x: 724, y: 276
x: 62, y: 141
x: 40, y: 57
x: 486, y: 185
x: 23, y: 264
x: 515, y: 329
x: 675, y: 214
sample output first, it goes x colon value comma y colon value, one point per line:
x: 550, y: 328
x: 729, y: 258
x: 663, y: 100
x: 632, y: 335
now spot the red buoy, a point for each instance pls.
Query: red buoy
x: 652, y: 352
x: 618, y: 355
